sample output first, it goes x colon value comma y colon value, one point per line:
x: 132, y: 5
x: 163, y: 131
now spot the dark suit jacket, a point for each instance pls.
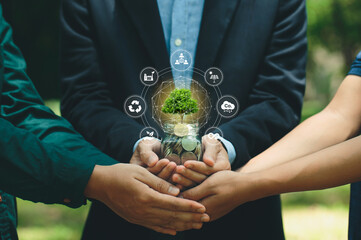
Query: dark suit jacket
x: 259, y: 45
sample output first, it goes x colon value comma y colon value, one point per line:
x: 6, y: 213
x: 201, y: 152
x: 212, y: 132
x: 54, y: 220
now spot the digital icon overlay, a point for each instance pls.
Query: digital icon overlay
x: 149, y: 76
x: 135, y: 106
x: 213, y: 76
x: 148, y: 132
x: 213, y: 133
x: 227, y: 106
x: 181, y: 60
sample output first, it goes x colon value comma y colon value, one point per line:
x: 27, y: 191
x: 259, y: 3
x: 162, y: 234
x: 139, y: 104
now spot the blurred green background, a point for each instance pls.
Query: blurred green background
x: 334, y: 40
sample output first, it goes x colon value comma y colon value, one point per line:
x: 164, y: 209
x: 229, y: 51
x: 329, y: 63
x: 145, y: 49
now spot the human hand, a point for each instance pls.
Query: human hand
x: 215, y: 158
x: 144, y: 199
x: 146, y: 155
x: 224, y: 191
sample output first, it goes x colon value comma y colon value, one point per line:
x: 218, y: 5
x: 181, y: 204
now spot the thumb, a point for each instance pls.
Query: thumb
x: 197, y: 193
x: 146, y: 152
x: 161, y: 185
x: 210, y: 151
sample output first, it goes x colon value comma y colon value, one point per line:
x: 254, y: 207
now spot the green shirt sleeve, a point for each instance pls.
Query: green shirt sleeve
x: 58, y: 157
x: 38, y: 171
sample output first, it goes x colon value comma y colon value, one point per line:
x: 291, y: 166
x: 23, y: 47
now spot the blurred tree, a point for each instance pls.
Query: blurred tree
x: 336, y: 26
x: 36, y: 32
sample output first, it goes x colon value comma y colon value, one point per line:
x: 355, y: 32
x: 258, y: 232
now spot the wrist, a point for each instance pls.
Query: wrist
x: 258, y: 186
x: 95, y: 184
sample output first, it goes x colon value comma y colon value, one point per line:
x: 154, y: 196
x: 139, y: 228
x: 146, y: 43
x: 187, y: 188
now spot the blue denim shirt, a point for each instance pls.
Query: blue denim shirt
x: 354, y: 231
x: 181, y: 20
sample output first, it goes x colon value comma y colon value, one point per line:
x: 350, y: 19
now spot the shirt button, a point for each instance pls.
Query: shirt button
x: 178, y: 42
x: 67, y: 200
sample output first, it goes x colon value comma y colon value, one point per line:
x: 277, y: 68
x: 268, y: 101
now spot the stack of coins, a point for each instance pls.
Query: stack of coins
x: 180, y: 149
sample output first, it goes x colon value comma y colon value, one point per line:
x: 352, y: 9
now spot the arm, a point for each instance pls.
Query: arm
x: 87, y: 99
x: 41, y: 172
x: 330, y: 167
x: 275, y: 102
x: 339, y: 121
x: 38, y: 171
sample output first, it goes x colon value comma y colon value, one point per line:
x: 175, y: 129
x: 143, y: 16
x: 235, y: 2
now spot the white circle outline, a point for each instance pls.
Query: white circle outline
x: 215, y: 128
x: 235, y: 112
x: 205, y: 77
x: 125, y: 107
x: 140, y: 76
x: 140, y: 134
x: 172, y: 64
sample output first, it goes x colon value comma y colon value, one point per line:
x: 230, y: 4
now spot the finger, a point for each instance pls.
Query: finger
x: 180, y: 226
x: 199, y: 167
x: 147, y: 149
x: 179, y: 221
x: 179, y: 179
x: 159, y: 166
x: 158, y: 184
x: 167, y: 202
x: 170, y: 218
x: 167, y: 171
x: 179, y: 186
x: 197, y: 193
x: 190, y: 174
x: 162, y: 230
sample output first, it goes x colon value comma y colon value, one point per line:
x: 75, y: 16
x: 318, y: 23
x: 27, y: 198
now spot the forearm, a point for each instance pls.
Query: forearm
x: 310, y: 136
x: 330, y: 167
x: 339, y: 121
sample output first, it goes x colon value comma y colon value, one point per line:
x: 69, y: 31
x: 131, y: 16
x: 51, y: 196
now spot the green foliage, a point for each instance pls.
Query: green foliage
x: 180, y: 102
x: 335, y: 25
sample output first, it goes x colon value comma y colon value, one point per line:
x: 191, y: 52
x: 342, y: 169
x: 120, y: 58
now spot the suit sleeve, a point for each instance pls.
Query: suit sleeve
x: 87, y: 102
x: 22, y: 106
x: 275, y: 102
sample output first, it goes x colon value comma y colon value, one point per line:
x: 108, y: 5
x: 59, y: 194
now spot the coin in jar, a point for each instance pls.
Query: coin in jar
x: 181, y: 130
x: 188, y: 156
x: 174, y: 158
x: 189, y: 143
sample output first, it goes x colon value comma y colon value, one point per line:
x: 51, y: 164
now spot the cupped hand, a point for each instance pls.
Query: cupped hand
x: 144, y: 199
x: 146, y: 155
x: 215, y: 158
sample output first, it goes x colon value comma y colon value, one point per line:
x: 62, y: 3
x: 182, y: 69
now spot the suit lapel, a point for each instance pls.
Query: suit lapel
x: 146, y: 18
x: 217, y: 15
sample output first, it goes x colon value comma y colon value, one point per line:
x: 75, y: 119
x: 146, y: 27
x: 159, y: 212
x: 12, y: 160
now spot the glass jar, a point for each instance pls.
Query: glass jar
x: 181, y: 143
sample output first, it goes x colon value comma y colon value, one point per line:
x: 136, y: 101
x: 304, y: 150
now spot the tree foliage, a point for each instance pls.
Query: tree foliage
x: 180, y: 101
x: 335, y: 25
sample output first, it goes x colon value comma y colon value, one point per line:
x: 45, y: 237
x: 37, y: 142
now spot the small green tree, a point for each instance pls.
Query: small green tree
x: 180, y: 101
